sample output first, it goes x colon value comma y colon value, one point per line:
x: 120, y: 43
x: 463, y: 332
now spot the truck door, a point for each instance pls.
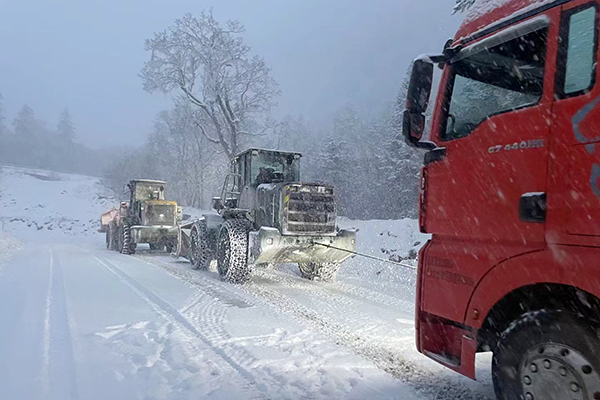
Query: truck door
x: 494, y: 126
x: 494, y: 121
x: 574, y: 188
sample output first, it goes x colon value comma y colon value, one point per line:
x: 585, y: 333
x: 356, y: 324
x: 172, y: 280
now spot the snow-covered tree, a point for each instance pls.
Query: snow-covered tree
x: 65, y: 127
x: 25, y: 124
x: 215, y: 70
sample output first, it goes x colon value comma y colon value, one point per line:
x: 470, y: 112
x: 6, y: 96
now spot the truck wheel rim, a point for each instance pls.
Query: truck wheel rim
x: 556, y: 371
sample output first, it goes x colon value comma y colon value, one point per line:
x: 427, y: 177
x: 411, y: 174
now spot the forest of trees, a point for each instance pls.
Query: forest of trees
x: 30, y: 142
x: 224, y: 96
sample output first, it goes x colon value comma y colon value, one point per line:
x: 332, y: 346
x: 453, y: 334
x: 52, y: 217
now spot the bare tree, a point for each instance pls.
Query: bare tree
x: 462, y: 5
x: 213, y: 67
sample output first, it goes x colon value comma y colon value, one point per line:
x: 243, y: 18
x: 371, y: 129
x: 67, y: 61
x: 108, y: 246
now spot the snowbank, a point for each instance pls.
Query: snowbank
x: 43, y: 203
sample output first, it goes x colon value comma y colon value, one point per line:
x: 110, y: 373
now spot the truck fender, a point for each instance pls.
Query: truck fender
x: 558, y: 264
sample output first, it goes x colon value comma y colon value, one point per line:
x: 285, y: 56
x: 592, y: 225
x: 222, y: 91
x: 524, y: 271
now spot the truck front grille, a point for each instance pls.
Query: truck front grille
x: 309, y: 209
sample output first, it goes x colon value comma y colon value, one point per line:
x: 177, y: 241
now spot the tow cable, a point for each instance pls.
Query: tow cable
x: 367, y: 256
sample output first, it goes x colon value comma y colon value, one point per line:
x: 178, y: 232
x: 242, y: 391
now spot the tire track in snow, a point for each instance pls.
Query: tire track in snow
x: 334, y: 302
x: 194, y: 278
x: 209, y: 313
x: 58, y: 375
x: 390, y: 360
x: 424, y: 382
x: 45, y: 373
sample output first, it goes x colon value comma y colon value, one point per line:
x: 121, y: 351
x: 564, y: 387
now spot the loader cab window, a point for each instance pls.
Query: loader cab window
x: 576, y: 69
x: 274, y: 168
x: 487, y: 81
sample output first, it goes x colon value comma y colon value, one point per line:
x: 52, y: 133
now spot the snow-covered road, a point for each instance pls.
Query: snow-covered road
x: 84, y: 323
x: 81, y: 322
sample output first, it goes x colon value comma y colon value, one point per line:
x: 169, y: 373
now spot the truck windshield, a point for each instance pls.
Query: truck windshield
x: 273, y: 167
x: 502, y: 78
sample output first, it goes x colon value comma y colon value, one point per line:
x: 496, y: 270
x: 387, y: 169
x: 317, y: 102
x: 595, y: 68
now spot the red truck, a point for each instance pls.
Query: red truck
x: 510, y: 192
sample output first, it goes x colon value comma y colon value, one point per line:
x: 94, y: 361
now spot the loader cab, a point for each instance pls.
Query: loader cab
x: 142, y: 190
x: 145, y: 189
x: 257, y: 167
x: 252, y: 168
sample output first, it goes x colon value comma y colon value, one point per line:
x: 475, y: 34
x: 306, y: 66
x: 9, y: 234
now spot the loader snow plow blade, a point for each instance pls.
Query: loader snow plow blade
x: 183, y: 240
x: 106, y: 218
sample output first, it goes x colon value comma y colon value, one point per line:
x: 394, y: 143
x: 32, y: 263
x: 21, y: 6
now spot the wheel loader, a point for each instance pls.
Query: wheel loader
x: 266, y: 216
x: 146, y: 218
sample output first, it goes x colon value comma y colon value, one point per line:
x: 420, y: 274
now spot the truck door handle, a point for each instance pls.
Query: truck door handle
x: 532, y: 207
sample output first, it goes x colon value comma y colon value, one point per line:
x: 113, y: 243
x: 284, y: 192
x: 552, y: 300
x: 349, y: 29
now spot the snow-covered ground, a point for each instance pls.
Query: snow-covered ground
x: 80, y: 322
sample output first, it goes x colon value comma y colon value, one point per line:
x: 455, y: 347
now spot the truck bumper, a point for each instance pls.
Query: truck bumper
x: 267, y: 245
x: 153, y: 234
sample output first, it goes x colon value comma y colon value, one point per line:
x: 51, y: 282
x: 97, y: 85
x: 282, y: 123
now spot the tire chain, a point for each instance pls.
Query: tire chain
x: 201, y: 252
x: 324, y: 271
x: 233, y: 266
x: 127, y: 245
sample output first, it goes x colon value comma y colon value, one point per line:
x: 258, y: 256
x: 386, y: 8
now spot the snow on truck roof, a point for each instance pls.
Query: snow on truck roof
x: 149, y: 181
x: 487, y: 16
x: 267, y: 150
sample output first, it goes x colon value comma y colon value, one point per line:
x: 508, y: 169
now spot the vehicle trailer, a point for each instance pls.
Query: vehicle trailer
x: 146, y: 218
x: 267, y: 216
x: 510, y: 193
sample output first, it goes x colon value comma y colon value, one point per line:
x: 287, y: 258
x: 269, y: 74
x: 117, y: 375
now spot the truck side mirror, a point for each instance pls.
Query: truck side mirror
x: 417, y: 100
x: 217, y: 203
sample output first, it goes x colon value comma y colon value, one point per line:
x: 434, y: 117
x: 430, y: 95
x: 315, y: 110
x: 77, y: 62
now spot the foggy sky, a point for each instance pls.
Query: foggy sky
x: 85, y: 55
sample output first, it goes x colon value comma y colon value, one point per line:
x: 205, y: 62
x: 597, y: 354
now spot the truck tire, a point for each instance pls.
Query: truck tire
x: 323, y: 271
x: 200, y: 251
x: 550, y: 356
x: 232, y: 251
x: 128, y: 247
x: 119, y: 239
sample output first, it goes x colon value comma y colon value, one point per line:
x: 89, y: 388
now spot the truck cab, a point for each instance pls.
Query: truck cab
x: 510, y: 193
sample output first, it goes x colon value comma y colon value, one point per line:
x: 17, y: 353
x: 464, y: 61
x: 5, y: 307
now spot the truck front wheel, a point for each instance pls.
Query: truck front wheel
x: 548, y: 356
x: 232, y: 251
x: 324, y: 271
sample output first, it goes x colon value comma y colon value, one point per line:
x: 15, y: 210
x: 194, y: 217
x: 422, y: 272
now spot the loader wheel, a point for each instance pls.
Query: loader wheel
x: 169, y: 247
x: 232, y: 251
x: 127, y: 247
x: 549, y: 356
x: 200, y: 252
x: 155, y: 246
x: 324, y: 271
